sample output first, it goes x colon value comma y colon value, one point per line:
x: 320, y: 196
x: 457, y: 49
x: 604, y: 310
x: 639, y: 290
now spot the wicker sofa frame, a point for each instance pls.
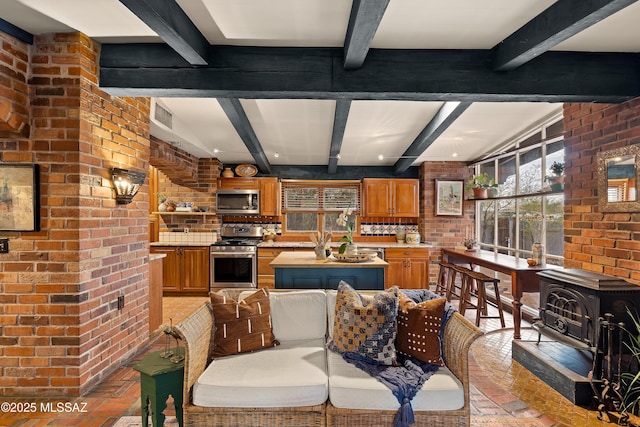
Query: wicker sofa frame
x: 195, y: 331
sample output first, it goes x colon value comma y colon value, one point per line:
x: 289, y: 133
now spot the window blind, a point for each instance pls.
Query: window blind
x: 320, y: 196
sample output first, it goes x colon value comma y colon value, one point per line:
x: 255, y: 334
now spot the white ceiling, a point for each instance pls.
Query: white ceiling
x: 300, y: 131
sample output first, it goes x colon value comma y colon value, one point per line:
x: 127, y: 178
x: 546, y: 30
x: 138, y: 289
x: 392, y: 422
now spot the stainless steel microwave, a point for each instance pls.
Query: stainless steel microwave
x: 238, y: 202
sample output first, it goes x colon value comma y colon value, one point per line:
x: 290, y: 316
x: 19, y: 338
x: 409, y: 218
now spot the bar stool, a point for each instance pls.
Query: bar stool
x: 481, y: 280
x: 444, y: 273
x: 460, y: 292
x: 466, y: 290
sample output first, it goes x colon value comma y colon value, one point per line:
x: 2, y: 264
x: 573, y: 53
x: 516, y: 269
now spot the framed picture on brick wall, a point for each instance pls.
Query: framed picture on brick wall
x: 449, y: 197
x: 19, y: 197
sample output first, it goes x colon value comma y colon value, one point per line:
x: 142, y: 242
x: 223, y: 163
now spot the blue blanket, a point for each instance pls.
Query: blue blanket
x: 406, y: 379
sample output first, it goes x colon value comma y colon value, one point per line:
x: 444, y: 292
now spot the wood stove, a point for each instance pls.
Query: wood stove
x: 576, y: 357
x: 572, y: 301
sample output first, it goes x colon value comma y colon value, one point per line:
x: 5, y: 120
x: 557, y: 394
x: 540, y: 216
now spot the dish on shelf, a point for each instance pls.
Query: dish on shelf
x: 359, y: 257
x: 246, y: 170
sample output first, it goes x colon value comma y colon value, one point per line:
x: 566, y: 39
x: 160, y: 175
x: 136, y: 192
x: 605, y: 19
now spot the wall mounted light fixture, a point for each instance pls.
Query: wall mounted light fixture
x: 126, y: 183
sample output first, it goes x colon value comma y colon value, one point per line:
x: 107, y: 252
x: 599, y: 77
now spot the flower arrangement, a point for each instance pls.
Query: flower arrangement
x: 269, y: 234
x: 344, y: 221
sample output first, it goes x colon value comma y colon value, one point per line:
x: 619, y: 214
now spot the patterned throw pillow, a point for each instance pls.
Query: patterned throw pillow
x: 419, y: 328
x: 368, y: 331
x: 241, y: 326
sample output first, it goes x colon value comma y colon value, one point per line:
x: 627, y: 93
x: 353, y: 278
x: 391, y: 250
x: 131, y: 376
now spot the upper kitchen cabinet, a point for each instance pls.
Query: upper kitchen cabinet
x: 238, y: 184
x: 391, y: 197
x: 269, y: 196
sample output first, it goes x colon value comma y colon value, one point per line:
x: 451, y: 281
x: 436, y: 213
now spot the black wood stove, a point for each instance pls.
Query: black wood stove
x: 572, y: 301
x: 581, y: 314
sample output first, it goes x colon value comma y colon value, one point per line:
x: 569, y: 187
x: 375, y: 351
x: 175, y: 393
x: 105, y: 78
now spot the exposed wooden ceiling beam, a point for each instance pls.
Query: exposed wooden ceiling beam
x: 561, y: 20
x: 170, y: 22
x: 363, y: 23
x: 17, y: 32
x: 339, y: 125
x: 446, y: 115
x: 234, y: 111
x: 317, y: 73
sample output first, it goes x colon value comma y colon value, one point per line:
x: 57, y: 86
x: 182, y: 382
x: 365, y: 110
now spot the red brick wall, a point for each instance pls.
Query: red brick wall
x: 607, y: 243
x: 442, y: 230
x: 14, y: 96
x: 60, y: 327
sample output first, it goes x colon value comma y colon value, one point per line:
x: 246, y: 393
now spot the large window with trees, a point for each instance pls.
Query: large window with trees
x: 526, y: 210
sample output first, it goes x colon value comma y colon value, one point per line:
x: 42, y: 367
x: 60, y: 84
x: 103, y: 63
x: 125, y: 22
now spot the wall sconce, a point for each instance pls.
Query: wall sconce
x: 127, y: 183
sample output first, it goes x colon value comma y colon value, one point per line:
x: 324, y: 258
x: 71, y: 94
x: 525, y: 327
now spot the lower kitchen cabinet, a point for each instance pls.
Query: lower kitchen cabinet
x: 408, y: 268
x: 185, y: 269
x: 266, y: 273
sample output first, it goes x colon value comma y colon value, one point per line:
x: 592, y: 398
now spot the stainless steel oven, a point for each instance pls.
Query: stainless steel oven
x: 234, y: 259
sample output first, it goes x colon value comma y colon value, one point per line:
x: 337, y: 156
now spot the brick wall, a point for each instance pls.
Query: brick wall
x: 606, y: 243
x: 60, y: 329
x: 14, y: 94
x: 442, y: 230
x: 185, y: 178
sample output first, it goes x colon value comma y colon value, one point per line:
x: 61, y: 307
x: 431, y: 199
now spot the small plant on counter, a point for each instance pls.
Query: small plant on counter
x: 556, y: 180
x: 343, y: 220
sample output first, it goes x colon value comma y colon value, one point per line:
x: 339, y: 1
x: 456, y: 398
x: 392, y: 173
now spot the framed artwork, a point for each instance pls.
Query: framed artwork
x: 449, y: 197
x: 19, y: 197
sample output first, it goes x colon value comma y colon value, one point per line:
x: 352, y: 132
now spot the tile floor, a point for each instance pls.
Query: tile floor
x: 502, y: 391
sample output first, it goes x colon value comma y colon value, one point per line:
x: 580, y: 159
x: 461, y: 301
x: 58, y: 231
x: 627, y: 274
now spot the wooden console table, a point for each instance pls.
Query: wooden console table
x: 523, y: 277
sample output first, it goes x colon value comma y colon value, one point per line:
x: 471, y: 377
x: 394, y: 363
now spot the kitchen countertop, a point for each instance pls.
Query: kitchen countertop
x: 180, y: 244
x: 285, y: 244
x: 308, y: 260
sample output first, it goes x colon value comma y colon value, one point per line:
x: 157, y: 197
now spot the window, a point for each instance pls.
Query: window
x: 523, y: 213
x: 310, y: 206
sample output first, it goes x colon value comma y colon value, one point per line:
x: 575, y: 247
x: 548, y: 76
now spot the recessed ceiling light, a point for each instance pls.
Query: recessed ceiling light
x: 276, y: 154
x: 380, y: 157
x: 215, y: 150
x: 455, y: 154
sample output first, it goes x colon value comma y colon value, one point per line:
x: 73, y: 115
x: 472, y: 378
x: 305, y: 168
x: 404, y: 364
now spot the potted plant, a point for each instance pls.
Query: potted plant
x: 162, y: 207
x: 479, y: 184
x: 492, y: 188
x: 556, y: 179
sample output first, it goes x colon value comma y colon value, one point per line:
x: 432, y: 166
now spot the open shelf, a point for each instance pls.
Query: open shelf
x: 518, y: 196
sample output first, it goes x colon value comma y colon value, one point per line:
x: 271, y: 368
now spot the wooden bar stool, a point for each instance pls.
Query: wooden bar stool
x: 444, y: 273
x: 460, y: 292
x: 481, y: 280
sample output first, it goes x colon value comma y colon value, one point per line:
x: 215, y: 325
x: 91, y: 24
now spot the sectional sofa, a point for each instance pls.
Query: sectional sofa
x: 300, y: 382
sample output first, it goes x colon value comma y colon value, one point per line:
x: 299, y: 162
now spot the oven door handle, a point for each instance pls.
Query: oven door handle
x: 230, y: 255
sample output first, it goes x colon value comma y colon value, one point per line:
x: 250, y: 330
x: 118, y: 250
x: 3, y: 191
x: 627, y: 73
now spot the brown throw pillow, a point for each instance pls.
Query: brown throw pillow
x: 241, y: 326
x: 419, y: 328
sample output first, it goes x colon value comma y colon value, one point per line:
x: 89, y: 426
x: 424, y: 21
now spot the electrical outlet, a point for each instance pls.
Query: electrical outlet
x: 120, y: 302
x: 4, y: 246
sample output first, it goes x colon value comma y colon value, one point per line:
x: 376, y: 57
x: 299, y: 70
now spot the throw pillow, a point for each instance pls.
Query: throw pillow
x: 241, y: 326
x: 419, y: 328
x: 367, y: 331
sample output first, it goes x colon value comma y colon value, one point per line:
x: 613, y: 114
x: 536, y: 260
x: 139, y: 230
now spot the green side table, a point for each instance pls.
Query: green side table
x: 160, y: 378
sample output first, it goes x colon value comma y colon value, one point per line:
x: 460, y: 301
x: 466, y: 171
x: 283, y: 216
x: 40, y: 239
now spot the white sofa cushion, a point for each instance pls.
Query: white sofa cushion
x: 352, y: 388
x: 291, y: 374
x: 297, y: 315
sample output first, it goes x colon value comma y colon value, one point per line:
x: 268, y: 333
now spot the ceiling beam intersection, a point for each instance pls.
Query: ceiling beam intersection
x: 560, y: 21
x: 446, y: 115
x: 169, y: 21
x: 238, y: 118
x: 363, y: 23
x: 339, y: 125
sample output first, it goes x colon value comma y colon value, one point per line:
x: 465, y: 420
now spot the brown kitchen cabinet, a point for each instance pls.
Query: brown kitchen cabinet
x: 408, y: 268
x: 266, y: 273
x: 269, y: 196
x: 185, y: 269
x: 391, y: 197
x: 238, y: 183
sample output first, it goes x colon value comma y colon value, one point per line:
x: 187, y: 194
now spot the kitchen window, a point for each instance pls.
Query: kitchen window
x: 310, y: 206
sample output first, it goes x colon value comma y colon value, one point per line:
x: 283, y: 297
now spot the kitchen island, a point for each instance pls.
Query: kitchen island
x: 301, y: 270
